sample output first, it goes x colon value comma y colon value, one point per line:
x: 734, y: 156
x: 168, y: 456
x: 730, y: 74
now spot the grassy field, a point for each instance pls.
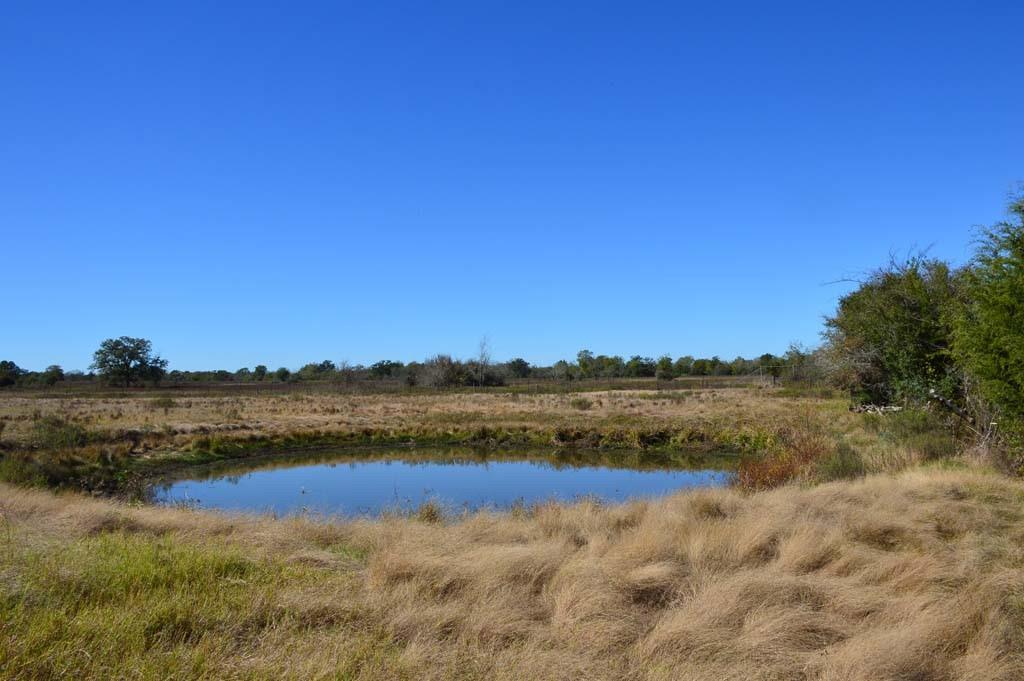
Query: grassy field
x: 913, y: 576
x: 852, y: 546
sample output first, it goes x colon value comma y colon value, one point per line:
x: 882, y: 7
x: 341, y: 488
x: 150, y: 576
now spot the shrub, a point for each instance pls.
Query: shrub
x: 843, y: 464
x: 165, y: 403
x: 429, y: 512
x: 932, y: 445
x: 54, y: 432
x: 800, y: 451
x: 442, y: 371
x: 766, y: 472
x: 581, y: 403
x: 21, y: 471
x: 890, y: 339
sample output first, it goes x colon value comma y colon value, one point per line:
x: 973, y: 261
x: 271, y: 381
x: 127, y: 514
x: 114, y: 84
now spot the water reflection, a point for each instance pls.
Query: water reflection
x: 370, y: 483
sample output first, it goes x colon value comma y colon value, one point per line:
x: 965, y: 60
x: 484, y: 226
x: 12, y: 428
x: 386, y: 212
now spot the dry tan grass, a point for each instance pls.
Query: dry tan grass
x: 914, y: 576
x: 279, y: 415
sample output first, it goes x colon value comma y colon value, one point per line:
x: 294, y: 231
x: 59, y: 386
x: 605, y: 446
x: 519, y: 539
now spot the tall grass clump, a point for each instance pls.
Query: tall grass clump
x: 922, y: 431
x: 20, y: 469
x: 54, y: 432
x: 842, y: 464
x: 429, y: 512
x: 163, y: 403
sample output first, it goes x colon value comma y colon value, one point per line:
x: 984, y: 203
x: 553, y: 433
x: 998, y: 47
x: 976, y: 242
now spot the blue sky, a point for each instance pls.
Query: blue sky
x: 279, y: 183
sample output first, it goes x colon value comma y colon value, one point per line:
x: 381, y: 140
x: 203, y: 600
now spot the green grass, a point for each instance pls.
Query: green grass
x: 917, y: 429
x: 843, y: 464
x: 581, y: 403
x: 121, y: 605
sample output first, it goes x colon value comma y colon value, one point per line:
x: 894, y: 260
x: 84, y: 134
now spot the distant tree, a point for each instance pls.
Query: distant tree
x: 243, y: 374
x: 9, y: 373
x: 260, y: 372
x: 126, y: 360
x: 770, y: 365
x: 316, y: 370
x: 608, y: 367
x: 483, y: 361
x: 640, y: 367
x: 719, y: 368
x: 282, y: 374
x: 665, y: 370
x: 518, y: 367
x: 347, y: 372
x: 385, y: 368
x: 804, y: 365
x: 53, y: 374
x: 739, y: 366
x: 412, y: 373
x: 563, y: 371
x: 585, y: 361
x: 700, y: 367
x: 443, y: 371
x: 682, y: 365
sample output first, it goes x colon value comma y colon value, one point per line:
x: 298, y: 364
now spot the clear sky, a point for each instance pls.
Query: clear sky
x: 280, y: 183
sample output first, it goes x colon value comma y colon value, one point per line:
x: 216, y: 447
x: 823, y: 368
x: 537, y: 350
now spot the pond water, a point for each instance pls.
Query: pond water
x: 361, y: 483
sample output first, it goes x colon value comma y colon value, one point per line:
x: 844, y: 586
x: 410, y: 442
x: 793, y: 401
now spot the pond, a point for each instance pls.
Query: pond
x: 371, y: 483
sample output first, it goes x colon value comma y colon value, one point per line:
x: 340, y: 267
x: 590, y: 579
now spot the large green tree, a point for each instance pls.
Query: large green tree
x: 989, y: 325
x: 127, y: 361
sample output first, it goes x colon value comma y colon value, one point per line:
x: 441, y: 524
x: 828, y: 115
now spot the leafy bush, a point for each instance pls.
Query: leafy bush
x: 581, y: 403
x: 20, y: 470
x: 890, y: 338
x: 54, y: 432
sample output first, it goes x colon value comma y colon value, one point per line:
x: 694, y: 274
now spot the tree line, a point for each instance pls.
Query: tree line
x: 127, y: 362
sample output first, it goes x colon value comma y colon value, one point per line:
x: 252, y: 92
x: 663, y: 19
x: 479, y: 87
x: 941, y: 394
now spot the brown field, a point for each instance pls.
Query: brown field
x: 181, y: 417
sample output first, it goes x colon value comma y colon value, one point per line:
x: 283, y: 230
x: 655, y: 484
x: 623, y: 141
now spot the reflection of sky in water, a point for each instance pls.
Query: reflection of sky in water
x: 370, y: 487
